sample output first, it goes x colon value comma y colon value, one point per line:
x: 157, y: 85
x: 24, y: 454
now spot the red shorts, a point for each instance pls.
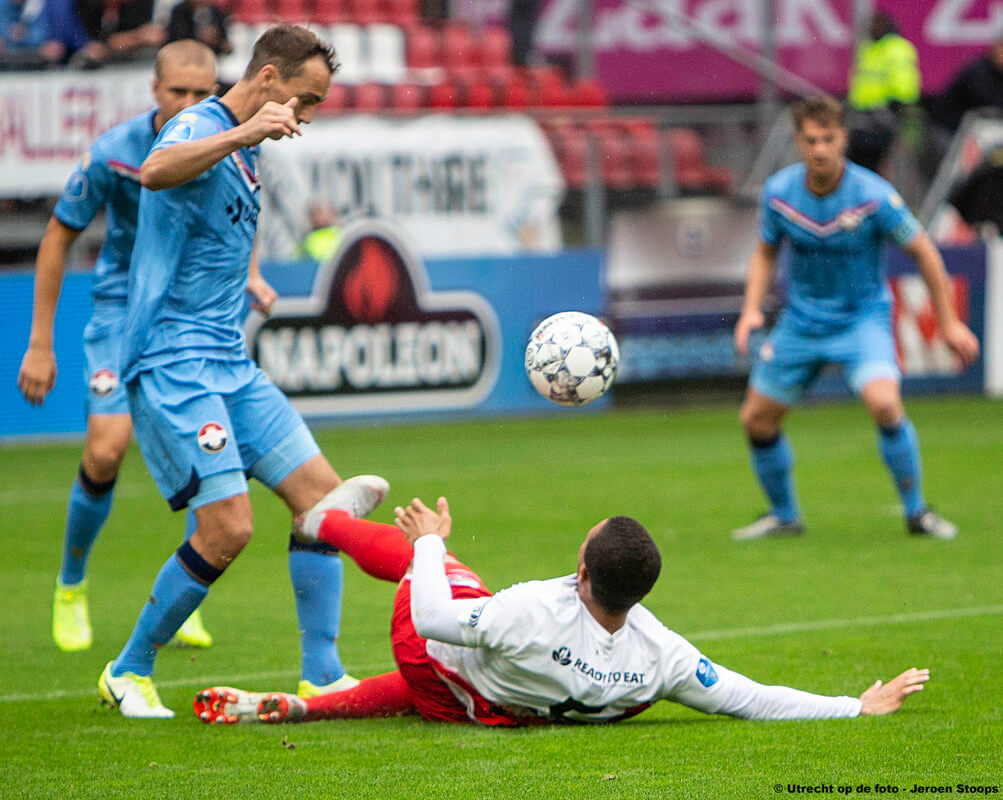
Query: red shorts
x: 432, y: 697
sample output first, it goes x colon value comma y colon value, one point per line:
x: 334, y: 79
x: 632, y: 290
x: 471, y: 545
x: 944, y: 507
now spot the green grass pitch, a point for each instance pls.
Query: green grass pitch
x: 852, y: 601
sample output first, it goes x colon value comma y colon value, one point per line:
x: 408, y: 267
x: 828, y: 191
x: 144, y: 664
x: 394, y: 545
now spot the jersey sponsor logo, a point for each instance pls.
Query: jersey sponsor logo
x: 212, y: 437
x: 376, y: 337
x: 238, y: 211
x: 706, y: 673
x: 103, y: 382
x: 562, y: 655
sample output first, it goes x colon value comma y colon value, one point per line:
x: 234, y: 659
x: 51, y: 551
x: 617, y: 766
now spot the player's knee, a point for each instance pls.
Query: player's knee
x: 756, y: 423
x: 886, y: 411
x: 103, y: 458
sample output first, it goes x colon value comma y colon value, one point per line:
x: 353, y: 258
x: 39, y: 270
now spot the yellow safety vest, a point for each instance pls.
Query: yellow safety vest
x: 321, y: 243
x: 886, y: 70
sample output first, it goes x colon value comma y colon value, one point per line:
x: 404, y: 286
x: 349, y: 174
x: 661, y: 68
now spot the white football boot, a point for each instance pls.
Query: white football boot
x: 359, y: 496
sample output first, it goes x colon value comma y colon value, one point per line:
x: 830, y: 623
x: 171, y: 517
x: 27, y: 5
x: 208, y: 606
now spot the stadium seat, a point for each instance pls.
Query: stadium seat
x: 422, y: 47
x: 571, y: 150
x: 251, y: 12
x: 385, y: 49
x: 589, y: 93
x: 406, y: 97
x: 329, y: 12
x: 495, y: 47
x: 458, y: 48
x: 515, y: 94
x: 442, y: 96
x: 366, y: 12
x: 290, y: 11
x: 369, y: 97
x: 643, y: 153
x: 690, y: 166
x: 347, y: 42
x: 402, y: 12
x: 614, y: 164
x: 480, y: 95
x: 337, y: 100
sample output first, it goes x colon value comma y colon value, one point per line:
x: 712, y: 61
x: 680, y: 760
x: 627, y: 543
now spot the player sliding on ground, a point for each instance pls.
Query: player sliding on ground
x: 835, y: 216
x: 579, y: 648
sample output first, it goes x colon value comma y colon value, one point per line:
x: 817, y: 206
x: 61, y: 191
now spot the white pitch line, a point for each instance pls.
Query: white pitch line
x: 705, y: 636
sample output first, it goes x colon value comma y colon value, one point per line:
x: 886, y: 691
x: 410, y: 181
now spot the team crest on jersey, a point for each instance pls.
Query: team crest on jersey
x: 706, y: 673
x: 103, y: 382
x: 850, y: 219
x: 562, y: 655
x: 212, y: 437
x: 375, y: 337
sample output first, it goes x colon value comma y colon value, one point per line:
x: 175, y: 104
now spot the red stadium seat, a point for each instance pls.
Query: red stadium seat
x: 495, y: 47
x: 571, y: 150
x: 515, y: 94
x: 406, y: 97
x: 643, y: 152
x: 614, y: 164
x: 328, y: 12
x: 370, y: 97
x: 422, y: 47
x: 252, y: 12
x: 290, y: 11
x: 690, y: 166
x: 458, y: 48
x: 337, y: 100
x: 402, y: 12
x: 480, y: 95
x: 366, y: 12
x: 553, y: 95
x: 588, y: 92
x: 442, y: 96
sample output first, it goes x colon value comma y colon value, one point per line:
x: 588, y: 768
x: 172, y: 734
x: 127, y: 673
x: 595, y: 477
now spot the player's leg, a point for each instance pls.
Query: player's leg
x: 192, y: 632
x: 87, y: 510
x: 873, y: 373
x: 379, y: 549
x: 186, y: 439
x: 786, y: 365
x: 386, y: 695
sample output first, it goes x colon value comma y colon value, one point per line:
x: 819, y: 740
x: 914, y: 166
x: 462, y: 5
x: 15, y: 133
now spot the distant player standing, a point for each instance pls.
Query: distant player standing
x: 205, y: 415
x: 835, y: 216
x: 108, y: 176
x: 579, y: 648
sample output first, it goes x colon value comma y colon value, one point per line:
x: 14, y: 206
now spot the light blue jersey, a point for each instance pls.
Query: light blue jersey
x: 193, y: 246
x: 108, y: 176
x: 836, y: 272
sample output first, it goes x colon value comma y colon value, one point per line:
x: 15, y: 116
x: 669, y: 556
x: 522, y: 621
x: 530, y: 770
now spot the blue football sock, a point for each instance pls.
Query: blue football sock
x: 899, y: 447
x: 316, y: 574
x: 86, y: 512
x: 772, y: 462
x: 180, y: 586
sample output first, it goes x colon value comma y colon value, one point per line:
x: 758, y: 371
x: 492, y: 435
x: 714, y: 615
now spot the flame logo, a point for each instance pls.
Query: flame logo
x: 372, y: 284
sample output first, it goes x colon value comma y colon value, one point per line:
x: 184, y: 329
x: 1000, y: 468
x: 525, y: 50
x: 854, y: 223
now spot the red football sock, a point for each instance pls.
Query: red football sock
x: 379, y: 550
x: 385, y: 695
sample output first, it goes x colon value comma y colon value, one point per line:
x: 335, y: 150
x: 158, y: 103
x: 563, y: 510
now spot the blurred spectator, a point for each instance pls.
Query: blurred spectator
x: 23, y: 31
x: 202, y: 20
x: 884, y: 81
x: 67, y: 40
x: 124, y: 27
x: 522, y: 18
x: 325, y: 234
x: 979, y: 197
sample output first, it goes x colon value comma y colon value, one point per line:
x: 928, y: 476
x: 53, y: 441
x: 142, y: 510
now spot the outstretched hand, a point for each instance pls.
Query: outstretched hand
x: 417, y: 519
x: 887, y: 698
x: 272, y: 121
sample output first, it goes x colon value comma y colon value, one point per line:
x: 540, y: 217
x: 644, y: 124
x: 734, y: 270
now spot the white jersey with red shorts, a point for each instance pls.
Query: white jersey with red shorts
x: 534, y: 653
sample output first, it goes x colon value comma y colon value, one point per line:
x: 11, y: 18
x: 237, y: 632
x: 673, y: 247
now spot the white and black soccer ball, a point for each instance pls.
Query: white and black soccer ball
x: 571, y: 358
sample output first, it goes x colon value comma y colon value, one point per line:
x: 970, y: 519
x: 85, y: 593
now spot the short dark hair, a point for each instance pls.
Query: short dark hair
x: 820, y: 108
x: 288, y: 48
x: 623, y: 563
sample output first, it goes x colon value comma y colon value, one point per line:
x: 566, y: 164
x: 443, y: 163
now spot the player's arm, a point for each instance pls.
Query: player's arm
x: 262, y: 293
x: 931, y: 266
x: 183, y: 161
x: 38, y: 367
x: 434, y: 612
x: 733, y: 694
x: 757, y: 286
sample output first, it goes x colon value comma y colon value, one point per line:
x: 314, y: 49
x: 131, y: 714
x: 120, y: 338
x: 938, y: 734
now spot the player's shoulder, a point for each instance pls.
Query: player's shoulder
x: 785, y: 181
x: 205, y: 118
x: 125, y: 137
x: 868, y: 186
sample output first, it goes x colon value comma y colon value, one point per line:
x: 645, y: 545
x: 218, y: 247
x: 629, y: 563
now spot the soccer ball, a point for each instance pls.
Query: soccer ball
x: 571, y: 358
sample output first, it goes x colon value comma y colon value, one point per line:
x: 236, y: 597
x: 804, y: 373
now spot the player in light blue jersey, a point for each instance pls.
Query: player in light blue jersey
x: 206, y: 417
x: 835, y: 216
x: 107, y: 177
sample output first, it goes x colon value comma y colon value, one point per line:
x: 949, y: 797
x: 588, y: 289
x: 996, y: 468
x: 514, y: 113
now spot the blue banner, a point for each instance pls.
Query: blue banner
x: 377, y: 333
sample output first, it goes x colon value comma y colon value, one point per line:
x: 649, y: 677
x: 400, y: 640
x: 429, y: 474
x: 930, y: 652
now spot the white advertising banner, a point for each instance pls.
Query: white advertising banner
x: 456, y: 185
x: 49, y: 119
